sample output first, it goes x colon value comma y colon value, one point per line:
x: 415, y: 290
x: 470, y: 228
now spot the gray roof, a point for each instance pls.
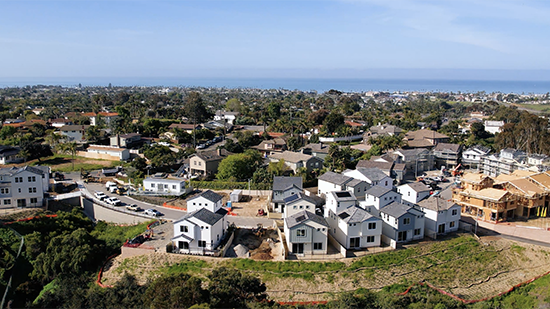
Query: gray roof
x: 417, y: 186
x: 304, y: 216
x: 8, y: 150
x: 75, y: 127
x: 354, y: 182
x: 354, y: 215
x: 209, y: 195
x: 374, y: 174
x: 281, y: 183
x: 436, y: 203
x: 378, y: 191
x: 319, y: 148
x: 397, y: 210
x: 207, y: 216
x: 33, y: 169
x: 335, y: 178
x: 375, y: 164
x: 343, y: 196
x: 297, y: 197
x: 448, y: 147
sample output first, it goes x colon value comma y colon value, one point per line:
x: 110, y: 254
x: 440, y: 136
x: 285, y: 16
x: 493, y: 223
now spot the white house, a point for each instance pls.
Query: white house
x: 331, y: 181
x: 207, y: 199
x: 378, y: 197
x: 23, y: 186
x: 165, y: 185
x: 74, y: 133
x: 493, y: 127
x: 306, y: 233
x: 414, y: 192
x: 402, y: 223
x: 442, y: 215
x: 297, y: 203
x: 226, y: 116
x: 107, y: 152
x: 284, y: 187
x: 372, y: 176
x: 355, y: 228
x: 338, y: 201
x: 200, y: 231
x: 471, y: 157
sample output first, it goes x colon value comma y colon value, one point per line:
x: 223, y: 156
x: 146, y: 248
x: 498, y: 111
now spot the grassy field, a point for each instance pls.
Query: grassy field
x: 65, y: 163
x: 536, y: 107
x: 461, y: 265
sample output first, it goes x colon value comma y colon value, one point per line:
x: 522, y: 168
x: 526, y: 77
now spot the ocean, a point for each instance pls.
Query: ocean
x: 303, y: 84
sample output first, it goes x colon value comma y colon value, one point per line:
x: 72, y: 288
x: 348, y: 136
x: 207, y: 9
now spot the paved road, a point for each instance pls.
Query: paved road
x: 169, y: 213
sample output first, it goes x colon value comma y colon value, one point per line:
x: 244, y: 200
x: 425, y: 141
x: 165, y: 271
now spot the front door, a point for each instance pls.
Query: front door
x: 298, y: 248
x: 21, y: 202
x: 441, y: 229
x: 355, y: 242
x: 402, y: 236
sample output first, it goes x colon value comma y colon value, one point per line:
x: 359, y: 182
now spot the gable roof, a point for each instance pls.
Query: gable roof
x: 206, y: 215
x: 281, y: 183
x: 378, y: 191
x: 318, y: 148
x: 436, y: 203
x: 292, y: 157
x: 397, y: 210
x: 209, y: 195
x: 212, y: 155
x: 375, y: 164
x: 343, y: 196
x: 354, y: 214
x: 335, y: 178
x: 417, y: 186
x: 373, y: 174
x: 299, y: 197
x: 448, y: 147
x: 302, y: 217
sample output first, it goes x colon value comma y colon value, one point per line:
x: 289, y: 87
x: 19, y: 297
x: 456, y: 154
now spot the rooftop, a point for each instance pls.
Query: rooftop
x: 303, y: 217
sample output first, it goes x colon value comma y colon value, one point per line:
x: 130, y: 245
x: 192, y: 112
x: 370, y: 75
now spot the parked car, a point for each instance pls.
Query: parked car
x: 113, y: 201
x: 133, y: 207
x: 201, y: 146
x: 100, y: 195
x: 153, y: 212
x: 217, y: 139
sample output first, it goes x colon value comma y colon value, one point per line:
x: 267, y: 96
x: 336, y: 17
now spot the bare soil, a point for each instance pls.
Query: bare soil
x: 262, y: 246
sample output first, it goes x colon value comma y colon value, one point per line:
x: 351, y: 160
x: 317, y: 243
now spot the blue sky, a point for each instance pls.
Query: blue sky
x: 300, y: 38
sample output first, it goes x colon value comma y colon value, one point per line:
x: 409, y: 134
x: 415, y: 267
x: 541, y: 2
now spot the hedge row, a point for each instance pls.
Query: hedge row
x: 228, y: 185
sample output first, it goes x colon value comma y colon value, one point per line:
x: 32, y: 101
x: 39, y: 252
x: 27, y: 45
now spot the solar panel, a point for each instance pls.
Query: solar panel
x: 343, y: 215
x: 343, y: 194
x: 300, y: 218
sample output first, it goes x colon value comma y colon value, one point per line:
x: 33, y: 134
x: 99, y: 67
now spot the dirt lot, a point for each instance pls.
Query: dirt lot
x: 261, y: 246
x: 501, y: 264
x: 248, y: 207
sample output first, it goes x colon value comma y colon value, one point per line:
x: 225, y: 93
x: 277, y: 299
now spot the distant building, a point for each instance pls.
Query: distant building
x: 9, y: 154
x: 447, y: 155
x: 493, y: 127
x: 295, y: 160
x: 165, y: 185
x: 74, y: 133
x: 425, y: 138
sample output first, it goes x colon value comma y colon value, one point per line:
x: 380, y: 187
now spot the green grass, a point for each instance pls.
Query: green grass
x: 62, y: 163
x: 115, y: 235
x: 537, y: 107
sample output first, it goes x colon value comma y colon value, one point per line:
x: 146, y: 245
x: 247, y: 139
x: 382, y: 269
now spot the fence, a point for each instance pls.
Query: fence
x: 342, y: 249
x: 228, y: 185
x: 282, y: 239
